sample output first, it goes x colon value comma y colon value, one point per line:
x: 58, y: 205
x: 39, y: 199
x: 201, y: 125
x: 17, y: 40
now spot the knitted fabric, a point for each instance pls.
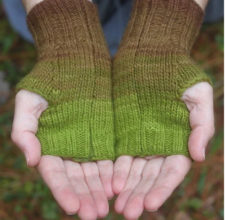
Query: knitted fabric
x: 151, y: 71
x: 73, y: 74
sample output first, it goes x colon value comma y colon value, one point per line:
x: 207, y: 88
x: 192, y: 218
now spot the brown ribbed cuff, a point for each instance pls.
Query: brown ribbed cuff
x: 164, y: 25
x: 63, y: 27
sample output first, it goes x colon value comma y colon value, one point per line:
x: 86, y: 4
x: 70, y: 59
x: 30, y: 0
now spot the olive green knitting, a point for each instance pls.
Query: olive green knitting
x: 151, y: 71
x: 73, y: 73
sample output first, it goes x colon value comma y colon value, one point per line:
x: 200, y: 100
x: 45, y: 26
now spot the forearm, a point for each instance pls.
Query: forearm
x: 29, y: 4
x: 201, y: 3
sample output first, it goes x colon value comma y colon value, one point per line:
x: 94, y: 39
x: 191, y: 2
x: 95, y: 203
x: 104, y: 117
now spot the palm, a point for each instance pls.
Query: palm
x: 146, y: 183
x: 78, y: 188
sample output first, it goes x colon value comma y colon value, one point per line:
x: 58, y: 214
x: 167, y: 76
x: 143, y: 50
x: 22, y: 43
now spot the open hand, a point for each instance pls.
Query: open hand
x: 82, y: 188
x: 146, y: 183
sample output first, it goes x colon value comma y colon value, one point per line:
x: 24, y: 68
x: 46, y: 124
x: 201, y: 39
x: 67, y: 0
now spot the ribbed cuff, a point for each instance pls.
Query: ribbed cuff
x: 61, y: 27
x: 170, y: 25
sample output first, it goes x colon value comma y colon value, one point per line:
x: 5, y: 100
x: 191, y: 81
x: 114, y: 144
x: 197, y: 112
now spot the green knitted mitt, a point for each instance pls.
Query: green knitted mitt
x: 151, y: 71
x: 73, y: 73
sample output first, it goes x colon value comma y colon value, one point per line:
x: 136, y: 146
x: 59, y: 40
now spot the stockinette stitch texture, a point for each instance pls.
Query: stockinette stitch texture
x: 151, y: 71
x: 73, y: 73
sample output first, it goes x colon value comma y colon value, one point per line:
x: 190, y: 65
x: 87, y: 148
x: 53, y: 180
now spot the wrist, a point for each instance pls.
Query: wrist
x: 29, y: 4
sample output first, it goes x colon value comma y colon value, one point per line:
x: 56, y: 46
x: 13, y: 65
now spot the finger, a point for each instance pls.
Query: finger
x: 53, y: 172
x: 28, y: 108
x: 135, y: 203
x: 132, y: 181
x: 105, y: 168
x: 87, y: 205
x: 172, y: 173
x: 95, y: 186
x: 199, y: 101
x: 120, y: 173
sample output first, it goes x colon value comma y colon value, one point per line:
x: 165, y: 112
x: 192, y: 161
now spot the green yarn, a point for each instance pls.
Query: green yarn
x: 151, y: 71
x: 72, y: 130
x: 73, y: 73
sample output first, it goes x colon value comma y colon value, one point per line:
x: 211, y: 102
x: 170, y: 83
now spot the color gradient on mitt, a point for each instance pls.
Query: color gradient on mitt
x: 73, y: 73
x: 151, y: 71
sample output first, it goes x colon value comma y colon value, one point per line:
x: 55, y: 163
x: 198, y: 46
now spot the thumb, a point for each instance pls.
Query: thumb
x: 199, y: 101
x: 28, y: 109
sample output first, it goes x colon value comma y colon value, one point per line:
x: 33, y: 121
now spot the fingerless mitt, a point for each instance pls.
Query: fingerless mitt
x: 151, y: 71
x: 73, y: 73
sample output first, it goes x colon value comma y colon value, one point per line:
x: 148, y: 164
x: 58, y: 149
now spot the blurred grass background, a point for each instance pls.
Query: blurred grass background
x: 24, y: 196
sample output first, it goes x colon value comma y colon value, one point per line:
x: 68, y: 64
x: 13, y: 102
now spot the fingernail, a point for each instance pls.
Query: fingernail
x: 203, y: 153
x: 152, y: 210
x: 70, y: 213
x: 27, y: 158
